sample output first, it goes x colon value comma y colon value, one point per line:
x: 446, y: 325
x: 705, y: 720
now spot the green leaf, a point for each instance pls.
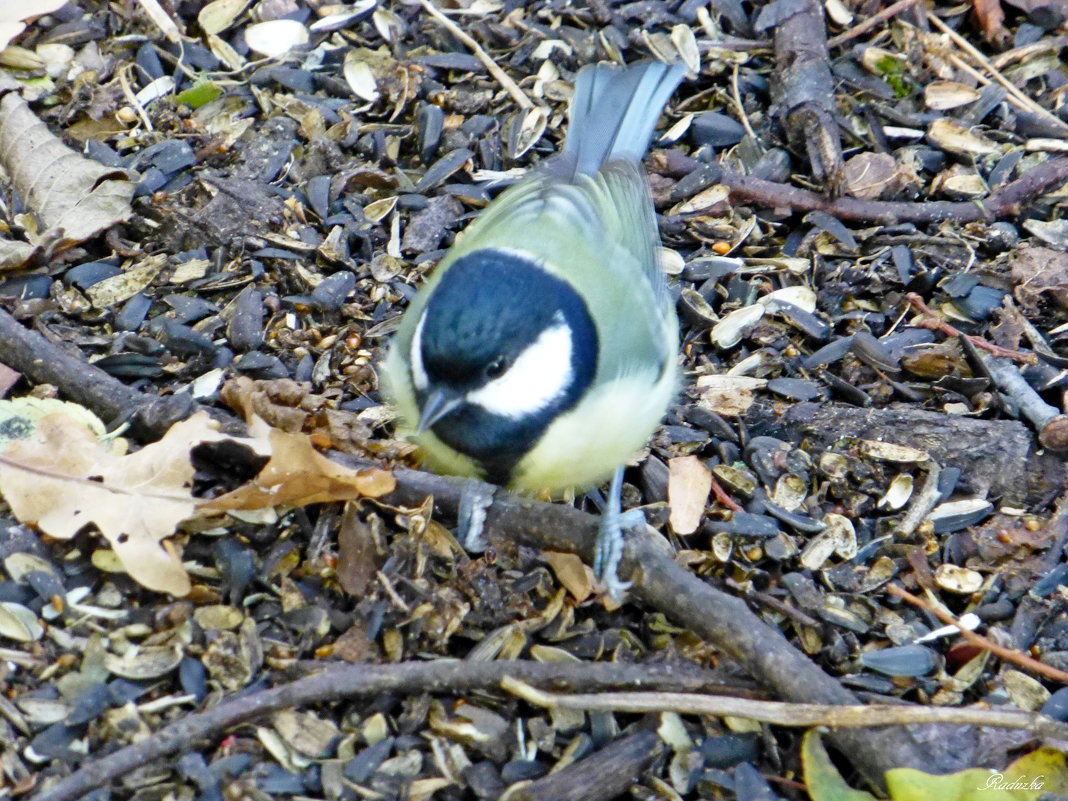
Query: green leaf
x: 1045, y: 765
x: 200, y: 93
x: 822, y: 778
x: 1024, y: 780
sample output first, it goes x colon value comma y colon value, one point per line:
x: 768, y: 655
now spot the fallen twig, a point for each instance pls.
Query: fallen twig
x: 1051, y: 424
x: 605, y: 774
x: 1006, y: 202
x: 43, y: 362
x: 1000, y: 651
x: 873, y: 21
x: 935, y: 322
x: 802, y: 89
x: 778, y: 713
x: 770, y: 600
x: 343, y: 681
x: 723, y: 498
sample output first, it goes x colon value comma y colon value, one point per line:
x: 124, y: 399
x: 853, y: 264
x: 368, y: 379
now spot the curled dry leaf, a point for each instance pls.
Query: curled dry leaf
x: 73, y: 198
x: 297, y: 475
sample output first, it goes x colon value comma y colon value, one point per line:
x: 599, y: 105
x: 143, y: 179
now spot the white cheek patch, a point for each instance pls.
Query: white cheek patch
x: 540, y: 375
x: 419, y: 376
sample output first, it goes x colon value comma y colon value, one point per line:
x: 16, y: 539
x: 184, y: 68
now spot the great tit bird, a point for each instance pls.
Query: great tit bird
x: 541, y: 354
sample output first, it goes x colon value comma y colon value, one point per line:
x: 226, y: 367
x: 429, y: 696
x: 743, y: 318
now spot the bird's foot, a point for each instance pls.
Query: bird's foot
x: 475, y: 499
x: 611, y: 542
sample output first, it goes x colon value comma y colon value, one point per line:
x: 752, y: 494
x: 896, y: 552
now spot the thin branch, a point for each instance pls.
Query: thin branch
x: 770, y: 600
x: 778, y: 713
x: 1000, y: 651
x: 723, y: 498
x: 1006, y: 202
x: 739, y: 107
x: 502, y: 77
x: 345, y: 681
x: 1047, y: 420
x: 43, y: 362
x: 934, y: 321
x: 873, y: 21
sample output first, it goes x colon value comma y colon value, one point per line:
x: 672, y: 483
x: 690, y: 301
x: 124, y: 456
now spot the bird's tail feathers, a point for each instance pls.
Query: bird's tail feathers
x: 614, y: 111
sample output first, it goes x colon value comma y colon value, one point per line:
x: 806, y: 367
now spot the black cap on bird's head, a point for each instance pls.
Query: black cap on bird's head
x: 501, y: 348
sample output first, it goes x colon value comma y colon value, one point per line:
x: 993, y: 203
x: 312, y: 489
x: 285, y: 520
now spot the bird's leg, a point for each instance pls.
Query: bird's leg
x: 475, y: 499
x: 610, y: 541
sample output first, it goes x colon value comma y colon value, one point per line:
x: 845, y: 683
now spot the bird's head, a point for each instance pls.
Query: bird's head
x: 501, y: 348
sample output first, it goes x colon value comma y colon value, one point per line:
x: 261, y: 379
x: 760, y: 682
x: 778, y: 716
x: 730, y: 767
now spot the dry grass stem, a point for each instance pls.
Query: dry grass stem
x: 780, y: 713
x: 510, y: 86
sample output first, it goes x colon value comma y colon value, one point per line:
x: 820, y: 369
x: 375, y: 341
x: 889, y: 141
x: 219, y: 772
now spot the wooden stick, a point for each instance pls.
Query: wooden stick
x: 778, y: 713
x: 935, y: 322
x: 360, y: 679
x: 863, y: 27
x: 1000, y: 651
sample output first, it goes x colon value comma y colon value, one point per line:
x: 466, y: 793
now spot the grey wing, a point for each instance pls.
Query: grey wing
x: 621, y: 197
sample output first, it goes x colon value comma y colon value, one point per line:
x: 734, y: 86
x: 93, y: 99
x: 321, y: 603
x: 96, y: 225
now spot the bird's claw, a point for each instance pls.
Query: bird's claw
x: 475, y: 499
x: 611, y: 542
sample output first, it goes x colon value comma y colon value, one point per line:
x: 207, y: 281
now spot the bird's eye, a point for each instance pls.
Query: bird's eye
x: 497, y: 368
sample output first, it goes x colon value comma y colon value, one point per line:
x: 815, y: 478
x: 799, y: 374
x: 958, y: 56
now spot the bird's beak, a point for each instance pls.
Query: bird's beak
x: 437, y: 405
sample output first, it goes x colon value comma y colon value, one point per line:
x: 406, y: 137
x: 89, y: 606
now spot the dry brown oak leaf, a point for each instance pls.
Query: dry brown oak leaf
x: 66, y: 478
x: 298, y: 475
